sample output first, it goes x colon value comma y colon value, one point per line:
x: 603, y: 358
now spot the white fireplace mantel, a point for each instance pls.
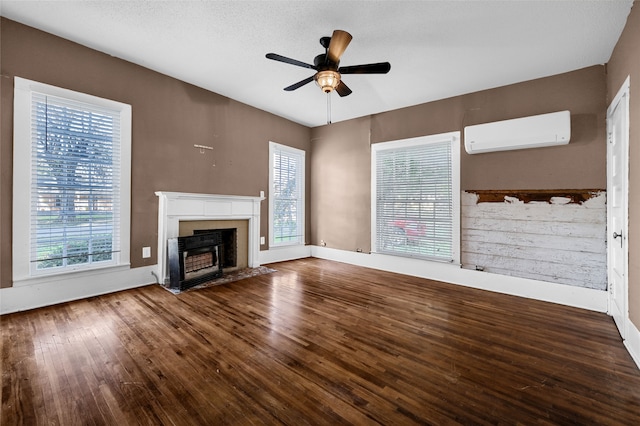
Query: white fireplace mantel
x: 181, y: 206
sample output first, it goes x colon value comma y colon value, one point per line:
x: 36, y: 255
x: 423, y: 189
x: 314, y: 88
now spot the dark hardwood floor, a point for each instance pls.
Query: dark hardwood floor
x: 316, y: 342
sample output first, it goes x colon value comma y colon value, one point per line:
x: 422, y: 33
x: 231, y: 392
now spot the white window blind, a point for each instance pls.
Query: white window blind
x: 72, y: 191
x: 416, y: 199
x: 286, y: 198
x: 74, y: 183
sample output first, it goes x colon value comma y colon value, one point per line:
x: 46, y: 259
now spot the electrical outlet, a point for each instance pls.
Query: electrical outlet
x: 146, y: 252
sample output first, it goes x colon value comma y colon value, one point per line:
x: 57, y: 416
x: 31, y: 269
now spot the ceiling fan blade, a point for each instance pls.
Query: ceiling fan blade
x: 299, y: 84
x: 339, y: 42
x: 286, y: 60
x: 379, y: 68
x: 343, y: 89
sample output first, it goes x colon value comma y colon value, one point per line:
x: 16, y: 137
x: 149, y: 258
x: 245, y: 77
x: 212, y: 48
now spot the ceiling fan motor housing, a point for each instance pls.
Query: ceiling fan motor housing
x: 321, y: 62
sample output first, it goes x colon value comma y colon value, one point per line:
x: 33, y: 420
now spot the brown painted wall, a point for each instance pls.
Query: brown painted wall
x: 580, y: 164
x: 169, y: 117
x: 623, y: 63
x: 341, y: 175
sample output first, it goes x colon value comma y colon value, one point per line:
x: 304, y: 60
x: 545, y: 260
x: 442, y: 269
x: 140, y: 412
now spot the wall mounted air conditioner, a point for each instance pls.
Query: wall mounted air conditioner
x: 520, y: 133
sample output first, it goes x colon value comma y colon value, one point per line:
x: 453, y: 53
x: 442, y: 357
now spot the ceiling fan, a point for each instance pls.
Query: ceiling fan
x: 328, y: 73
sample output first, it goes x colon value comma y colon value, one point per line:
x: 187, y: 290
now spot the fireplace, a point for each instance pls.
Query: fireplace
x: 177, y: 209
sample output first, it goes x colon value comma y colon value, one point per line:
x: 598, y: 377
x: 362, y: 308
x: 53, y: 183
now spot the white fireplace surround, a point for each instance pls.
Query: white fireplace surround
x: 175, y: 207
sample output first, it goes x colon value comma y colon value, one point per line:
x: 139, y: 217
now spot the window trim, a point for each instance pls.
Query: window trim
x: 22, y: 166
x: 273, y: 146
x: 454, y: 139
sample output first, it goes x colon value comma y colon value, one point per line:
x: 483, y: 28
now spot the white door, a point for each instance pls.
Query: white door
x: 617, y: 200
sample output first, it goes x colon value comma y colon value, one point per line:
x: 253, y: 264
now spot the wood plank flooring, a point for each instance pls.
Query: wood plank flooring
x: 316, y: 342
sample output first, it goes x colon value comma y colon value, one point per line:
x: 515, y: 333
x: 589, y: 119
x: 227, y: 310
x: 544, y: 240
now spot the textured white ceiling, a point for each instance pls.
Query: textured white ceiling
x: 437, y: 49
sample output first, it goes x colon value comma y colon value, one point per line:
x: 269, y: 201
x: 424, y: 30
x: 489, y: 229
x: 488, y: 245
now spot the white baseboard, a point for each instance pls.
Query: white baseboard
x: 24, y: 297
x: 585, y: 298
x: 282, y: 254
x: 632, y: 343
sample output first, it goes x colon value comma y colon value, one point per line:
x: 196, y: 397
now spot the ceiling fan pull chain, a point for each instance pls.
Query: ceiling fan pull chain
x: 328, y: 107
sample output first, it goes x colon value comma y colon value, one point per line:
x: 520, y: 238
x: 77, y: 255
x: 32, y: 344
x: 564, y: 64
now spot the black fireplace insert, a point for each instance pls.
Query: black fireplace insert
x: 194, y: 259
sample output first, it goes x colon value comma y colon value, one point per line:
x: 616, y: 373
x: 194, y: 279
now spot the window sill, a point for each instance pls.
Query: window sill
x: 286, y: 246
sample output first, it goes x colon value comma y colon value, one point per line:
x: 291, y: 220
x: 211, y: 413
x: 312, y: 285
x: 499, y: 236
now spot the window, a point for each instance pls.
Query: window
x: 415, y: 207
x: 71, y: 181
x: 286, y: 195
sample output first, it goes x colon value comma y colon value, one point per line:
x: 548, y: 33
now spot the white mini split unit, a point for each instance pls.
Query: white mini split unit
x: 520, y: 133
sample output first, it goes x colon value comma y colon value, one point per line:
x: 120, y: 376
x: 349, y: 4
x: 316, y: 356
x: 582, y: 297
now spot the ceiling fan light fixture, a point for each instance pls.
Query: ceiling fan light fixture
x: 327, y: 80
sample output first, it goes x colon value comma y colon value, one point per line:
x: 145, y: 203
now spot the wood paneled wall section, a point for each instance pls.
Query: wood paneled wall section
x: 559, y: 239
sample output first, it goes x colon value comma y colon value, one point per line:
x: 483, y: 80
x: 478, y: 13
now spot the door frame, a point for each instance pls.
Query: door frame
x: 621, y: 96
